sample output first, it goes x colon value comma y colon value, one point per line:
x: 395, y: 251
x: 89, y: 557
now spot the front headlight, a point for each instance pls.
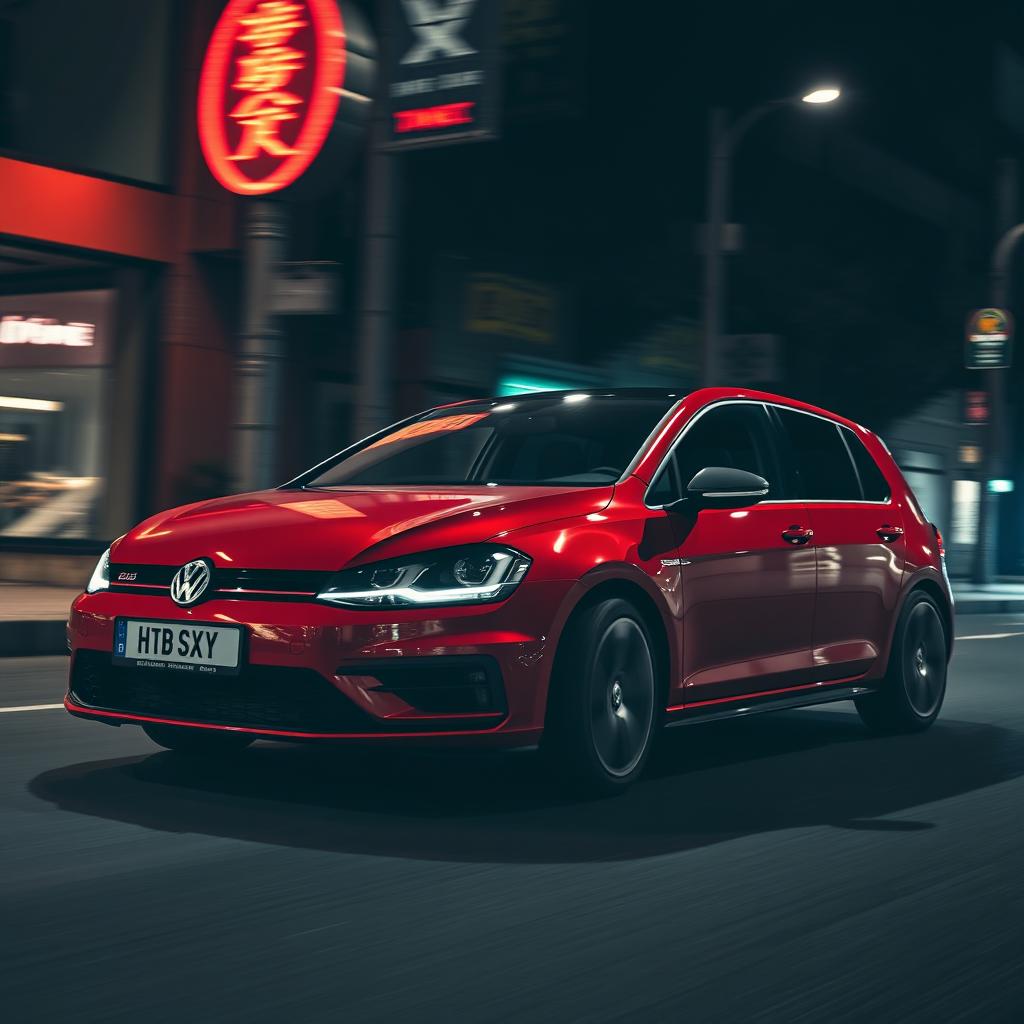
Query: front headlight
x: 100, y: 578
x: 475, y: 574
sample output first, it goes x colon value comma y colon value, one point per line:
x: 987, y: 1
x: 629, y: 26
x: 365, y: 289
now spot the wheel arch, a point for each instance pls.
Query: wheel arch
x: 631, y: 586
x: 934, y: 589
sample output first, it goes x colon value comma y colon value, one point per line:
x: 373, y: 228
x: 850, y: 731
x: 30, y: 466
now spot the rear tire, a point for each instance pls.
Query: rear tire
x: 912, y: 692
x: 605, y: 702
x: 208, y: 742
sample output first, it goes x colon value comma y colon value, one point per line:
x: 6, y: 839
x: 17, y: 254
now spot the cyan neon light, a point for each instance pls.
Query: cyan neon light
x: 521, y: 385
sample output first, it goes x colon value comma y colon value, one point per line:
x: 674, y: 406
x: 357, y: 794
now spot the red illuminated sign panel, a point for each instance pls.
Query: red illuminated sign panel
x: 270, y: 91
x: 427, y: 118
x: 975, y: 408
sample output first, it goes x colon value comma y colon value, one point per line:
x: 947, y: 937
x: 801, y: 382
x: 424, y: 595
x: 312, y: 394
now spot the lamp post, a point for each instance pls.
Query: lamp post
x: 985, y: 550
x: 724, y: 140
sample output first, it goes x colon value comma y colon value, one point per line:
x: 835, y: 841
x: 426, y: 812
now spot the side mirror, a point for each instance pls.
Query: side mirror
x: 722, y: 487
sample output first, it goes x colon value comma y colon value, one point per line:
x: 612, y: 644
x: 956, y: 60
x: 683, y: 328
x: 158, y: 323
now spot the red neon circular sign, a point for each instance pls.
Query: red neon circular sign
x: 269, y: 91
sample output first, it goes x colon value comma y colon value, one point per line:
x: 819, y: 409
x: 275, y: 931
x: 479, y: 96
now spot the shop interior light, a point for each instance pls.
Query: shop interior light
x: 12, y: 438
x: 31, y: 404
x: 1000, y: 486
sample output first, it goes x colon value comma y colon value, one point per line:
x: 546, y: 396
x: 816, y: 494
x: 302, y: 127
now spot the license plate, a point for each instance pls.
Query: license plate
x: 178, y: 646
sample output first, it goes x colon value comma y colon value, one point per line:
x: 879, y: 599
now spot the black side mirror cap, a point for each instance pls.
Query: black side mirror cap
x: 724, y: 487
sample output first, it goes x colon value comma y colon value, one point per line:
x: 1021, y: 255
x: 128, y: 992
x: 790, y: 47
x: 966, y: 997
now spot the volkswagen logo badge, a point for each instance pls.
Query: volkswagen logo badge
x: 190, y: 582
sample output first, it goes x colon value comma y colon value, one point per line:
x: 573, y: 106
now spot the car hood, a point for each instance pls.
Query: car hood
x: 328, y: 529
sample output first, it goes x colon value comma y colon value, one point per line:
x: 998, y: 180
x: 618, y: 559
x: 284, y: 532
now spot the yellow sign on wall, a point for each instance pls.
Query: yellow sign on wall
x: 511, y: 307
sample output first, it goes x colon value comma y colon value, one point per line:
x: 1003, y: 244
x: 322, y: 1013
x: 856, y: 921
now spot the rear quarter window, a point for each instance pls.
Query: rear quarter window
x: 872, y: 481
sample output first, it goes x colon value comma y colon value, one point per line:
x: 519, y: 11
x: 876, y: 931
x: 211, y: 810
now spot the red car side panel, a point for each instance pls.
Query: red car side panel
x: 859, y: 581
x: 748, y: 602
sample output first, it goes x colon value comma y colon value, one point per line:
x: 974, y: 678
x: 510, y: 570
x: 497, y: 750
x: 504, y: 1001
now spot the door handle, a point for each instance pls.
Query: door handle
x: 797, y: 534
x: 889, y: 533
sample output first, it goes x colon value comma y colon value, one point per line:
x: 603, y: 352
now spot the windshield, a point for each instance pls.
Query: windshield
x: 565, y: 441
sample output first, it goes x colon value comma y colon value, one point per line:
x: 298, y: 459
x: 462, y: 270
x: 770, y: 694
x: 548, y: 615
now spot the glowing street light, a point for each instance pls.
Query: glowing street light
x: 824, y: 95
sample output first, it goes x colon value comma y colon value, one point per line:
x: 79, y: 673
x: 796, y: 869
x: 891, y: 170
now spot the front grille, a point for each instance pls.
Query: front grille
x: 295, y: 699
x: 260, y: 696
x: 234, y: 584
x: 282, y: 581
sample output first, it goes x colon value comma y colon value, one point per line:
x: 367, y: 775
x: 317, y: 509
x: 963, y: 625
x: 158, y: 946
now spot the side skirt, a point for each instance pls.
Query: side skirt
x: 740, y: 708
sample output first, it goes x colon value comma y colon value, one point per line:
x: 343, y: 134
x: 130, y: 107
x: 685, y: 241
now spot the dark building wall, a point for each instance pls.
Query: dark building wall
x: 88, y: 85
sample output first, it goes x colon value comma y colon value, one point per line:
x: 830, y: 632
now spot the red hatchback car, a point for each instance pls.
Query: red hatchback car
x: 569, y: 569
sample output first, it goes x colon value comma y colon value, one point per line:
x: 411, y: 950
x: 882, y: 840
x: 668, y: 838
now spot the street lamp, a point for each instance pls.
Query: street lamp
x: 995, y: 461
x: 826, y: 94
x: 724, y: 139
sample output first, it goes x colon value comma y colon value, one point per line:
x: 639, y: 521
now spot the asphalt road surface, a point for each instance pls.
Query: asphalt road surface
x: 784, y: 868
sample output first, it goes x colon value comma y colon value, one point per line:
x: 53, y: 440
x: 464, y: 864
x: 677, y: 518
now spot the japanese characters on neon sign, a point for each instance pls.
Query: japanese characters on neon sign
x: 275, y: 80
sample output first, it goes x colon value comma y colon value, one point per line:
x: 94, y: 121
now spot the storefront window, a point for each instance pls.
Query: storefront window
x: 966, y: 501
x: 54, y: 352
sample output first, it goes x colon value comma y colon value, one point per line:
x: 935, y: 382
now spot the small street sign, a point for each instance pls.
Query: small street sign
x: 989, y: 344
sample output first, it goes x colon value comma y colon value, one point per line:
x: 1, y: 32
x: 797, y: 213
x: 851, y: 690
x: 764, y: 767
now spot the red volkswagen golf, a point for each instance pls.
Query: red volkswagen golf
x: 573, y: 570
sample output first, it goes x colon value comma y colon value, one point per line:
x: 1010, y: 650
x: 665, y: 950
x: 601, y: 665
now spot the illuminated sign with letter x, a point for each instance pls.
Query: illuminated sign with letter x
x: 437, y: 26
x: 444, y: 70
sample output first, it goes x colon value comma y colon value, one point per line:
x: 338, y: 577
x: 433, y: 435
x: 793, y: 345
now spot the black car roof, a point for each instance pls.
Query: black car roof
x: 532, y: 396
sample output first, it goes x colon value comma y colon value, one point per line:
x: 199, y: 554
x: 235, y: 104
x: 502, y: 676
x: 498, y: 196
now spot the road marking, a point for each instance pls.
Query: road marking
x: 989, y: 636
x: 32, y: 707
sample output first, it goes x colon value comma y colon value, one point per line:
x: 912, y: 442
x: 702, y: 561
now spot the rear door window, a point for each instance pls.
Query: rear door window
x: 824, y: 469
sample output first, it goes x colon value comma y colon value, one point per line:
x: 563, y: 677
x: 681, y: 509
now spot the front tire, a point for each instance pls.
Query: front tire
x: 207, y: 742
x: 605, y: 698
x: 915, y: 684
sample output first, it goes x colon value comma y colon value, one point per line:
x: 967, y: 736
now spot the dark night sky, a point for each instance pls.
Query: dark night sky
x: 607, y: 203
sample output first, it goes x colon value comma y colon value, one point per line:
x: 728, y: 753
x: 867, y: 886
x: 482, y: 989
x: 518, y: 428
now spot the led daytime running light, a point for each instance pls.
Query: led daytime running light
x: 430, y: 579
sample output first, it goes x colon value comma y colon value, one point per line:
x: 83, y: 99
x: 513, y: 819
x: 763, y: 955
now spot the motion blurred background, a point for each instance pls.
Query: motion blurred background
x: 566, y: 250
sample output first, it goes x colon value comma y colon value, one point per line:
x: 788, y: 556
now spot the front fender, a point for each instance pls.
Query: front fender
x: 614, y: 578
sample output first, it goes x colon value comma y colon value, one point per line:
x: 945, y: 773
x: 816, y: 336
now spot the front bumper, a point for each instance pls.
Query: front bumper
x: 466, y: 676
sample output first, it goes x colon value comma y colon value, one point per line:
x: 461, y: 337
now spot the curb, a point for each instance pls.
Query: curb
x: 32, y: 638
x: 989, y: 606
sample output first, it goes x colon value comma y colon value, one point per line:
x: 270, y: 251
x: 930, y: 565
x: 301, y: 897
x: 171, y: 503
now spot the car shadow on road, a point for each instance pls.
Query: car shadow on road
x: 706, y: 785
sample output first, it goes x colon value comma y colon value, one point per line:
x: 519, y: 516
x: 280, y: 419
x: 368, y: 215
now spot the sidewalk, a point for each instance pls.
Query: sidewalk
x: 993, y: 598
x: 32, y: 618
